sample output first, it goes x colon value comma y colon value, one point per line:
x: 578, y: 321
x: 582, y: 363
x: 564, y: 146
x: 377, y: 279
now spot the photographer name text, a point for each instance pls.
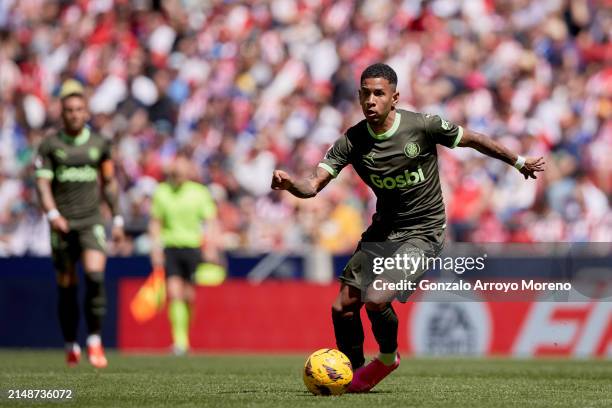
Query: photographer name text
x: 461, y: 285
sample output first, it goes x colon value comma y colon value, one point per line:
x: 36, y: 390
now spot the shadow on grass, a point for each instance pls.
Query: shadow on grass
x: 308, y: 394
x: 240, y: 392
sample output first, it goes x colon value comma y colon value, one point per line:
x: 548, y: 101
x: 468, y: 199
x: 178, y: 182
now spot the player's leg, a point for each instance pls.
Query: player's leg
x: 64, y: 262
x: 346, y: 316
x: 384, y: 320
x: 384, y: 327
x: 379, y: 297
x: 94, y: 262
x: 178, y: 313
x: 348, y: 328
x: 378, y: 303
x: 181, y: 265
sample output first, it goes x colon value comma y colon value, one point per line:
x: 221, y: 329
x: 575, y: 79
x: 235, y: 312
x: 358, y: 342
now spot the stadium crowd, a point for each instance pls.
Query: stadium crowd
x: 246, y: 87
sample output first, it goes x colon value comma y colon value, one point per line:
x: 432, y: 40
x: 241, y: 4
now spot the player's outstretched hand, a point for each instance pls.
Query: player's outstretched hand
x: 60, y: 224
x: 281, y: 180
x: 532, y: 166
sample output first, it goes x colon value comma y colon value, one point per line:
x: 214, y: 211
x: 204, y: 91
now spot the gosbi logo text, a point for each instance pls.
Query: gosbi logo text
x: 76, y: 174
x: 407, y: 179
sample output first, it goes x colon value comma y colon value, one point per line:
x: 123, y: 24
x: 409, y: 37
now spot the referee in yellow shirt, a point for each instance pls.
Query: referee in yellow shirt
x: 179, y: 208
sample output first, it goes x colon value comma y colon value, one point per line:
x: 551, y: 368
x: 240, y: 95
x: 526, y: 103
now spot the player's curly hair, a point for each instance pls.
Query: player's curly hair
x: 380, y: 70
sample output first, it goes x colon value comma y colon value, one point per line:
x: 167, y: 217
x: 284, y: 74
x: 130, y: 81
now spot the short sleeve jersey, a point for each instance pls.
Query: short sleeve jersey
x: 73, y: 164
x: 400, y: 166
x: 181, y: 211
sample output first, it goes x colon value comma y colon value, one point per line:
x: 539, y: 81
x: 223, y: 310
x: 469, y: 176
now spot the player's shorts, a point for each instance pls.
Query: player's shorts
x: 378, y: 243
x: 182, y: 262
x: 66, y: 249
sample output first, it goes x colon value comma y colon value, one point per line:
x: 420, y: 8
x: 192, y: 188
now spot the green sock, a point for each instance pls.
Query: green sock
x: 387, y: 358
x: 179, y: 319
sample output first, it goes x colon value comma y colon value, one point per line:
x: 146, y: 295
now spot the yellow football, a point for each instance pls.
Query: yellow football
x: 328, y: 372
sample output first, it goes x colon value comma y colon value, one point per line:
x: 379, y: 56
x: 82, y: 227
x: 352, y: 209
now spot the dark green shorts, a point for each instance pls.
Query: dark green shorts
x: 376, y: 243
x: 66, y: 249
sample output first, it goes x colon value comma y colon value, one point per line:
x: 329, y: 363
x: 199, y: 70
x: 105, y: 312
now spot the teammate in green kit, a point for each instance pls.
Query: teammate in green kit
x: 394, y: 152
x: 180, y: 206
x: 69, y: 166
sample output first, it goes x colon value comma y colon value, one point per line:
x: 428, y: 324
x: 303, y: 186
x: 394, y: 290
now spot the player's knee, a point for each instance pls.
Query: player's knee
x: 339, y: 313
x: 176, y: 288
x: 66, y: 279
x: 344, y: 311
x: 377, y: 306
x: 94, y: 260
x: 378, y: 298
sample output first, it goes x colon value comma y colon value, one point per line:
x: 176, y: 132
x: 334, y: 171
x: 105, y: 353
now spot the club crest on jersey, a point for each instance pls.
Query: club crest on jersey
x: 94, y: 153
x: 369, y: 158
x: 412, y: 150
x: 445, y: 124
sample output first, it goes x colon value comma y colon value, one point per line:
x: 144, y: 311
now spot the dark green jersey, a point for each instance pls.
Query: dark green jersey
x: 73, y: 165
x: 400, y: 166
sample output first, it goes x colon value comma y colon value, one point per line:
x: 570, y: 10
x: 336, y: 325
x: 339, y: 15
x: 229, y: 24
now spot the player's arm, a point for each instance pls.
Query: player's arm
x: 302, y: 188
x: 45, y: 197
x: 336, y: 158
x: 44, y: 177
x: 157, y: 248
x: 110, y: 193
x: 528, y: 166
x: 212, y: 248
x: 212, y: 242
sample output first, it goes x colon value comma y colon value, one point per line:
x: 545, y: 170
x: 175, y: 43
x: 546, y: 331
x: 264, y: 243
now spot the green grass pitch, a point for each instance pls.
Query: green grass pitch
x: 276, y: 381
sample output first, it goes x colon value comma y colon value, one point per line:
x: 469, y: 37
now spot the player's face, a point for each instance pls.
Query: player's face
x: 180, y: 170
x: 74, y: 113
x: 377, y: 98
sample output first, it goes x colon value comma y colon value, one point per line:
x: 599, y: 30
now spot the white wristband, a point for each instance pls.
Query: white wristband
x: 520, y: 162
x: 53, y: 214
x: 118, y: 221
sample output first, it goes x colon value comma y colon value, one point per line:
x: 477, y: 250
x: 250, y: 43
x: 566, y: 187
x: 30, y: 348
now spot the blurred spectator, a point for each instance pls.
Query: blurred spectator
x: 246, y: 87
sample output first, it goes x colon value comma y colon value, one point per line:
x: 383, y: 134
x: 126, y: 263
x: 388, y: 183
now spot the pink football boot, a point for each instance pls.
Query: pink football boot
x: 366, y: 377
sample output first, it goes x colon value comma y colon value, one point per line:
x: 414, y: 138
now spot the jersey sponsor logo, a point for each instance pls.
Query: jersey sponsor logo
x: 412, y: 150
x: 60, y: 154
x: 407, y: 179
x: 369, y: 158
x: 83, y: 174
x: 94, y: 153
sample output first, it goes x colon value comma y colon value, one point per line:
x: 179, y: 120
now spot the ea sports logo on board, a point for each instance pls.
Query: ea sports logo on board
x: 450, y: 328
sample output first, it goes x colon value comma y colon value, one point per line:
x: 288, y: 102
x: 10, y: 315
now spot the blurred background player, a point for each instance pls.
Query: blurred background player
x: 68, y: 167
x: 179, y: 208
x: 394, y: 151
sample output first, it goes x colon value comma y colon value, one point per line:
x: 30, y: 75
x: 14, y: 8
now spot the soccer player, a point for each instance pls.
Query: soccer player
x: 179, y: 208
x: 68, y: 168
x: 394, y: 152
